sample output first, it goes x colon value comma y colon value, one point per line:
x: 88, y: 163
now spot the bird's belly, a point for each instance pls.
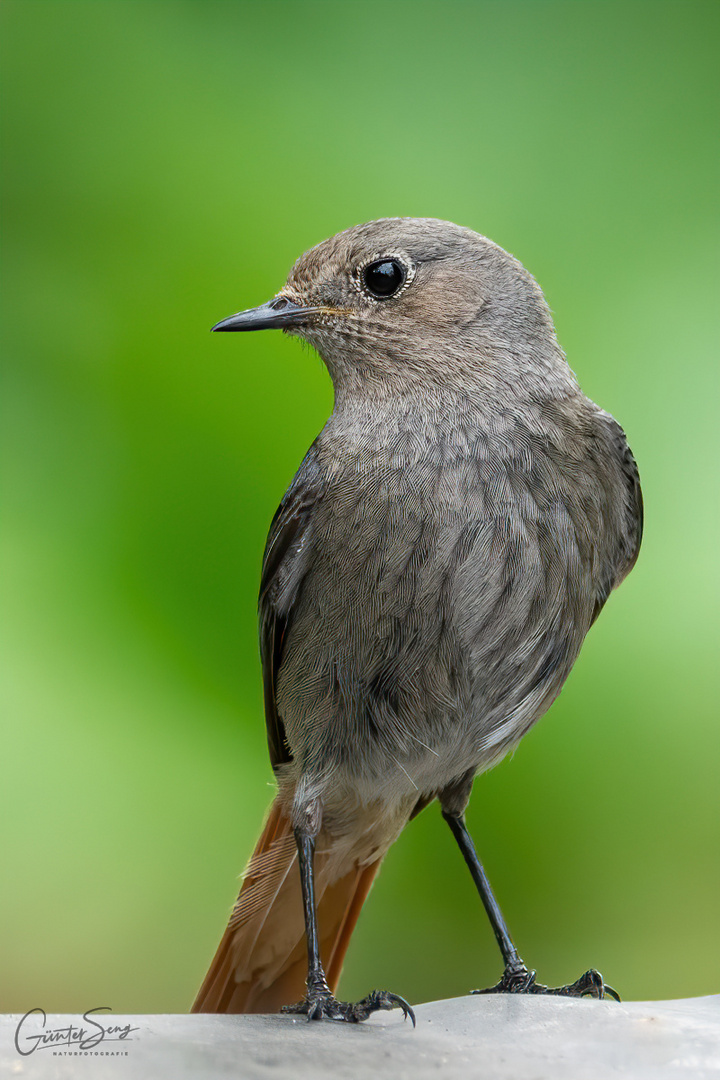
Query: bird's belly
x: 417, y: 667
x: 443, y: 609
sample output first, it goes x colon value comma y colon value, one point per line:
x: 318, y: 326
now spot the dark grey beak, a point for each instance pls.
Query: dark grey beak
x: 275, y: 315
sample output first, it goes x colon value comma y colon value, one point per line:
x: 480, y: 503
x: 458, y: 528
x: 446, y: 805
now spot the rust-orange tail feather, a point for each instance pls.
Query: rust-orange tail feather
x: 261, y: 962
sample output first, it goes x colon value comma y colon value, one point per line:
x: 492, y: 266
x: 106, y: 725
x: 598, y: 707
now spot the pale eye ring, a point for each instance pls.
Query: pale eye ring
x: 385, y: 277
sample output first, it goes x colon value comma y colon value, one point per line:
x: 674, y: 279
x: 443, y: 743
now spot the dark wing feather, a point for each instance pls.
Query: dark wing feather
x: 631, y: 528
x: 285, y: 563
x: 635, y: 513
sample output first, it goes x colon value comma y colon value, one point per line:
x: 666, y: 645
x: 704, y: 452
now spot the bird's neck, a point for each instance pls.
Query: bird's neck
x: 415, y: 421
x: 372, y: 398
x: 484, y: 375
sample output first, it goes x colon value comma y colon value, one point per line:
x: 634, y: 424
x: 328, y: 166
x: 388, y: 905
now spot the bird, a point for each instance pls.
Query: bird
x: 429, y: 577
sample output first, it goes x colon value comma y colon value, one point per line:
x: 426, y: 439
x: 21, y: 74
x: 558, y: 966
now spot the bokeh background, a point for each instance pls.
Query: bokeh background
x: 164, y: 165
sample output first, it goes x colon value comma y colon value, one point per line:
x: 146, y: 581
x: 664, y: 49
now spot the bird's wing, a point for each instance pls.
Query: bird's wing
x: 635, y: 500
x: 285, y: 564
x: 630, y: 528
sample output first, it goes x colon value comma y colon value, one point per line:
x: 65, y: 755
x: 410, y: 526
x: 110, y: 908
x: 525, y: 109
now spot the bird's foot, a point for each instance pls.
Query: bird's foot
x: 319, y: 1003
x: 521, y: 981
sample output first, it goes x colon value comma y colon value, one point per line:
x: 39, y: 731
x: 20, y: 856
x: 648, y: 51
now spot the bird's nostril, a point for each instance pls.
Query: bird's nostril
x: 279, y: 303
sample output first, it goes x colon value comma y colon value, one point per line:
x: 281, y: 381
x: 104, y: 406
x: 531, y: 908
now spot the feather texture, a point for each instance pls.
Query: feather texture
x: 261, y: 962
x: 429, y: 576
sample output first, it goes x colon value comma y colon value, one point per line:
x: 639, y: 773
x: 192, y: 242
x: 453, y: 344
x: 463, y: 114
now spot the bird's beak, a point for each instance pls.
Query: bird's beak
x: 275, y: 315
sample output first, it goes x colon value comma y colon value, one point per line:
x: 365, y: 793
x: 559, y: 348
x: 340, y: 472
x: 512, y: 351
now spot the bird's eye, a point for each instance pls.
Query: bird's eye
x: 384, y: 278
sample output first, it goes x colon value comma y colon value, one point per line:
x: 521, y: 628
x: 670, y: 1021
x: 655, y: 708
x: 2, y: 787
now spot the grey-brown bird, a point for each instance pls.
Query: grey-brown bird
x: 428, y: 580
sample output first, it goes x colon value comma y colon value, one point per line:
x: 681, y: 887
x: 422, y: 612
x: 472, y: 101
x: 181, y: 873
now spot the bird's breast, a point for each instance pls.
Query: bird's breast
x: 446, y: 597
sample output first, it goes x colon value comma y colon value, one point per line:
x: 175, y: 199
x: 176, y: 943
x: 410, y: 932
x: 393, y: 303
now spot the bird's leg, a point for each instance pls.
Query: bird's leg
x: 517, y: 978
x: 319, y: 1001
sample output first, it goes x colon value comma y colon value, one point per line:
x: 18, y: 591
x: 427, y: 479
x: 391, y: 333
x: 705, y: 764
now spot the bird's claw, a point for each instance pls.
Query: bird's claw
x: 319, y: 1004
x: 522, y: 981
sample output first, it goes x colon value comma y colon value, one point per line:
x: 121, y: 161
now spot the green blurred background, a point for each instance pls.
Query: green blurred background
x: 165, y: 163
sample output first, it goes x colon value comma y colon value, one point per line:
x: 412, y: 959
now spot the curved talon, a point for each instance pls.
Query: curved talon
x: 522, y: 981
x: 592, y: 984
x: 383, y: 999
x: 321, y: 1004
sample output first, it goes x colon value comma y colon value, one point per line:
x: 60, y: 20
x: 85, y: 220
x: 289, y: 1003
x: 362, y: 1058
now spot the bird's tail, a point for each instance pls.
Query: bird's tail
x: 261, y: 962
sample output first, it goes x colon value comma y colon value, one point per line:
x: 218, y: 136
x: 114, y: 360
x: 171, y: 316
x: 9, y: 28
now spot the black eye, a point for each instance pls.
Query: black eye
x: 384, y: 278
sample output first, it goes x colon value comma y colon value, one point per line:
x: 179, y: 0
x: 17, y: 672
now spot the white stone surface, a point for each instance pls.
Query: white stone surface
x: 493, y: 1038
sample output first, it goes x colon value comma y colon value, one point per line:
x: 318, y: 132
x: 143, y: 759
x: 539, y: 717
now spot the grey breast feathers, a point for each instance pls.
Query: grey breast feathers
x: 435, y: 591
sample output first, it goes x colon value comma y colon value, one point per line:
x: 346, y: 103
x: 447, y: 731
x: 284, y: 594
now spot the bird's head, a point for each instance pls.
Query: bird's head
x: 405, y: 300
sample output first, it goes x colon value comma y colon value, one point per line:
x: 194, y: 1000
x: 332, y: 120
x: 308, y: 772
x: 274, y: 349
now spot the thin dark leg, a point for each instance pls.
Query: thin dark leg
x: 316, y: 981
x: 319, y: 1001
x: 495, y: 915
x: 516, y: 979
